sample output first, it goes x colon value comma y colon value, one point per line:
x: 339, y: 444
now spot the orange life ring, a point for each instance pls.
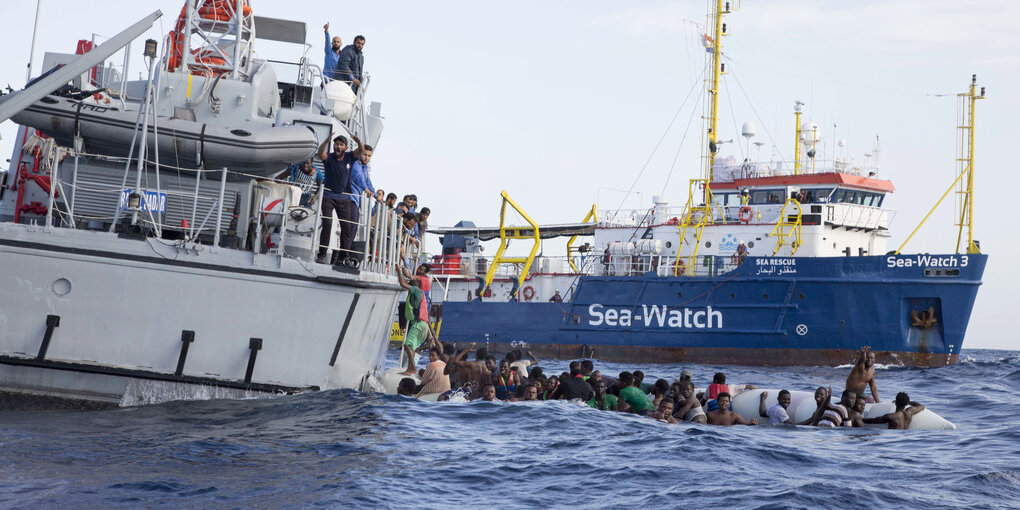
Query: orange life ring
x: 750, y: 214
x: 679, y: 268
x: 212, y: 10
x: 528, y: 293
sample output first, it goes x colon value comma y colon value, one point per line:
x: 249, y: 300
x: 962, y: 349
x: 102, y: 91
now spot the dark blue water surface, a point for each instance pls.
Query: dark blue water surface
x: 350, y: 449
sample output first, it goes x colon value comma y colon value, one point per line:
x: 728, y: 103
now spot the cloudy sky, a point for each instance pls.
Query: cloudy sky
x: 562, y: 103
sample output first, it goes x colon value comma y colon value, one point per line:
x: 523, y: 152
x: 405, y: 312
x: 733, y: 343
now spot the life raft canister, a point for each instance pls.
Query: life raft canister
x: 749, y: 214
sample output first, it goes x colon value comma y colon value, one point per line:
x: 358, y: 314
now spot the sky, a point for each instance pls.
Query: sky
x: 563, y: 103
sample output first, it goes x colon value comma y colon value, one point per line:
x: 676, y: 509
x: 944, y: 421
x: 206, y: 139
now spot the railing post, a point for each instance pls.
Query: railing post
x: 219, y: 213
x: 317, y: 226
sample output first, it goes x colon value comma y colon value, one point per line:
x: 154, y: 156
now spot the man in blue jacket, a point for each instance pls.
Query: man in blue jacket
x: 361, y: 185
x: 332, y: 54
x: 352, y: 63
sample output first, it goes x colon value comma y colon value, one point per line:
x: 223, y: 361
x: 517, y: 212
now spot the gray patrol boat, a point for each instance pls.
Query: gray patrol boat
x: 147, y: 253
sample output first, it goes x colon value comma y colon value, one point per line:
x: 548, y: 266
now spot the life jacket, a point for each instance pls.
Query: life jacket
x: 715, y: 389
x: 503, y: 389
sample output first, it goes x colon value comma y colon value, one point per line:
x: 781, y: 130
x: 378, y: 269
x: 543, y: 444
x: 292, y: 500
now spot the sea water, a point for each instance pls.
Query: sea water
x: 369, y: 450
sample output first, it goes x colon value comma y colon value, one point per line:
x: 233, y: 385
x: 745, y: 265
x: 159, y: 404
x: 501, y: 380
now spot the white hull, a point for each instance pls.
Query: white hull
x: 124, y: 303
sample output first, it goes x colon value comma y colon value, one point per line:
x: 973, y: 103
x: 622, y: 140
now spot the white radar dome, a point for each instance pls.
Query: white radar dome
x: 747, y: 130
x: 343, y: 99
x: 810, y: 133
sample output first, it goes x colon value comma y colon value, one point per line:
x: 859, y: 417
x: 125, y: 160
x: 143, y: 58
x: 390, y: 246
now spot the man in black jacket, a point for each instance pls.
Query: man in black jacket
x: 352, y: 63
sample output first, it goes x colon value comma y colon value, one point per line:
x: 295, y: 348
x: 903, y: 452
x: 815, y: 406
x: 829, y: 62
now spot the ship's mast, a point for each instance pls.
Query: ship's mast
x: 715, y: 20
x: 965, y: 159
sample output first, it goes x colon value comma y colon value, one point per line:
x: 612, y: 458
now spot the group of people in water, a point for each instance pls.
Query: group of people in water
x: 515, y: 378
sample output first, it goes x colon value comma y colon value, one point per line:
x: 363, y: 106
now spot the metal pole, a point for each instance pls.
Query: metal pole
x: 74, y: 179
x: 141, y: 140
x: 31, y: 51
x: 238, y: 24
x: 219, y: 214
x: 53, y: 192
x: 317, y: 226
x: 123, y: 78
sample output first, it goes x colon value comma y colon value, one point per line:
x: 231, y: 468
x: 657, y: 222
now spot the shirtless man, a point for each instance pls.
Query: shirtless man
x: 863, y: 374
x: 899, y: 419
x: 474, y: 372
x: 723, y: 416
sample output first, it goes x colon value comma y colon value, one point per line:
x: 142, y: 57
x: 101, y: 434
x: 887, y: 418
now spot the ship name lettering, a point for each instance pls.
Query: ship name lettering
x: 927, y: 261
x: 656, y: 315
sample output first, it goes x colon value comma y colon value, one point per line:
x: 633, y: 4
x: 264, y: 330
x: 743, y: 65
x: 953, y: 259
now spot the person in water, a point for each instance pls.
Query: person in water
x: 471, y: 373
x: 406, y: 387
x: 434, y: 380
x: 863, y: 374
x: 636, y: 399
x: 723, y: 416
x: 665, y: 412
x: 856, y: 414
x: 506, y: 381
x: 692, y: 410
x: 900, y: 418
x: 836, y: 414
x: 602, y: 400
x: 530, y: 393
x: 776, y: 414
x: 488, y: 393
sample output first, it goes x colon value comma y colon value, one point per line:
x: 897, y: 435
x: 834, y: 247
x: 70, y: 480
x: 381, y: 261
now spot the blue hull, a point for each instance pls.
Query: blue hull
x: 911, y: 309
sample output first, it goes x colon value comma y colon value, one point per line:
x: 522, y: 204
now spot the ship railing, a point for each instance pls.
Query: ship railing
x: 192, y: 213
x: 858, y: 216
x: 664, y: 265
x: 776, y: 168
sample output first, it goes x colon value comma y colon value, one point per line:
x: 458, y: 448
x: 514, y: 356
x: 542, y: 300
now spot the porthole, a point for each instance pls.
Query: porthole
x: 708, y: 244
x: 240, y: 132
x: 750, y: 244
x: 732, y: 296
x: 765, y: 297
x: 669, y: 244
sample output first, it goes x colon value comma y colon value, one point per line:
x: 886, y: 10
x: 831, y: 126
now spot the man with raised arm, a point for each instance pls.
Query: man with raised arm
x: 417, y: 330
x: 901, y: 417
x: 863, y: 374
x: 472, y: 373
x: 333, y: 47
x: 337, y: 167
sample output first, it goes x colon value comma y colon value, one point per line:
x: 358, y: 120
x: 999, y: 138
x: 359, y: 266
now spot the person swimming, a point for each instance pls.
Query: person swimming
x: 723, y: 416
x: 900, y: 418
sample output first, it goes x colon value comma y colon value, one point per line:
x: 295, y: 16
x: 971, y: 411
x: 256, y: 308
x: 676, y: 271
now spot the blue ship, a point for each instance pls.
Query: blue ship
x: 767, y: 263
x: 911, y: 309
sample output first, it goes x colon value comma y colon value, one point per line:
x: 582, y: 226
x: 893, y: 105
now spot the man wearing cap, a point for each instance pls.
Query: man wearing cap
x: 337, y: 167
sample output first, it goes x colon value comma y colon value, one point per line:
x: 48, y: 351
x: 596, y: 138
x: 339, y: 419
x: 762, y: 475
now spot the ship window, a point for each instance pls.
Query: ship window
x: 759, y: 197
x: 838, y: 196
x: 879, y: 199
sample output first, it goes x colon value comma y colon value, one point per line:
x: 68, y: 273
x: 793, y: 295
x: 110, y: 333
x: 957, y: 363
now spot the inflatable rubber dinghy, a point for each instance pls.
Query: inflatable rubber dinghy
x: 802, y: 406
x: 254, y: 146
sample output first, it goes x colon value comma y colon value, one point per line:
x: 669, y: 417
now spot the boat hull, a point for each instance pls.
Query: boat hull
x: 99, y: 317
x: 912, y: 310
